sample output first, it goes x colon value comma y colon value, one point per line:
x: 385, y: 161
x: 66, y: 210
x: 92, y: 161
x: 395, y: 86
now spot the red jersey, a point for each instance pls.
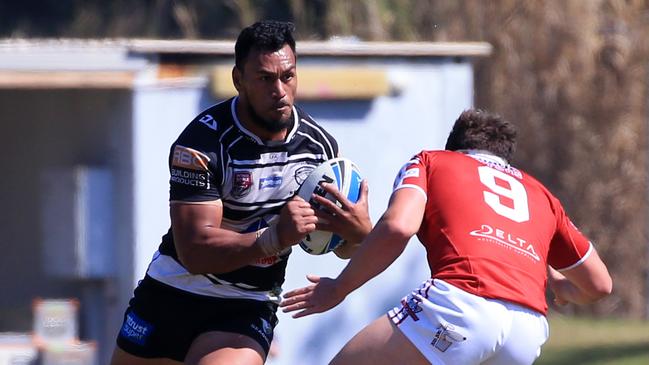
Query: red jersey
x: 489, y: 228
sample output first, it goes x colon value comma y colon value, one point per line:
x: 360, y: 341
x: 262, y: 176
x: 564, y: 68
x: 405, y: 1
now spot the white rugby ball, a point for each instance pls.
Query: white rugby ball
x: 345, y: 175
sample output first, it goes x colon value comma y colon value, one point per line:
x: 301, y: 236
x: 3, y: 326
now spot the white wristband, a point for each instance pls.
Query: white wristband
x: 268, y: 241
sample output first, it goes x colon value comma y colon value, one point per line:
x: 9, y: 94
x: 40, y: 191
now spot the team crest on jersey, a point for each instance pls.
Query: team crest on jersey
x: 445, y: 336
x: 302, y: 173
x: 242, y: 184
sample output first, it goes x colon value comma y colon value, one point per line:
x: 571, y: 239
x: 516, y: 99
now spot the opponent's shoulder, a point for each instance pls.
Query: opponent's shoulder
x: 532, y: 184
x: 434, y: 156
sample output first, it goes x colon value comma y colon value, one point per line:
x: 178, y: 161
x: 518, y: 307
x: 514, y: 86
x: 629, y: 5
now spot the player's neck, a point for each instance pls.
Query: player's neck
x: 249, y: 121
x: 486, y: 154
x: 263, y: 133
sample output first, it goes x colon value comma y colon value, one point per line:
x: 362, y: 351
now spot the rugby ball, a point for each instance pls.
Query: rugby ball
x: 347, y: 178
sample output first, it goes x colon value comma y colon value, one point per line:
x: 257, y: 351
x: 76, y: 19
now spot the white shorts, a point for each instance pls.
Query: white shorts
x: 450, y: 326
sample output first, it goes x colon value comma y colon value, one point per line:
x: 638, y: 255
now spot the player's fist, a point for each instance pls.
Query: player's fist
x: 296, y: 220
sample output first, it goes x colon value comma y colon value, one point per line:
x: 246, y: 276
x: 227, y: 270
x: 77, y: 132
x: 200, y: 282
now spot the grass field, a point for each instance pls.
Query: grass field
x: 580, y: 341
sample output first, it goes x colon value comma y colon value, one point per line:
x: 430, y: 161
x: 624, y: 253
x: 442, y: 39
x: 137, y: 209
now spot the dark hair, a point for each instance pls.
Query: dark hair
x: 481, y: 130
x: 266, y: 35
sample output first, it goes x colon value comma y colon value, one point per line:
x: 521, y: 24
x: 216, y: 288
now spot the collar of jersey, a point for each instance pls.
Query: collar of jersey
x: 486, y: 155
x: 254, y: 137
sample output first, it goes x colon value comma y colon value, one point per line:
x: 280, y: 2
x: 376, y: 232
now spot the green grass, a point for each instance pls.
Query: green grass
x: 582, y: 341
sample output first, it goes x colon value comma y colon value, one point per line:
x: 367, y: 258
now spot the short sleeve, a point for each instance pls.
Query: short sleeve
x: 569, y: 247
x: 193, y: 178
x: 412, y: 175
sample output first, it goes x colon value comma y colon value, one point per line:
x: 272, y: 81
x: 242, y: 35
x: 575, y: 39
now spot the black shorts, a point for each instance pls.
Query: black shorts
x: 162, y: 321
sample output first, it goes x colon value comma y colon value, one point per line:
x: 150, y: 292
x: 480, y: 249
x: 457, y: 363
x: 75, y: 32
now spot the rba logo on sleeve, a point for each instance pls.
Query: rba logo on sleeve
x: 189, y: 167
x: 189, y: 158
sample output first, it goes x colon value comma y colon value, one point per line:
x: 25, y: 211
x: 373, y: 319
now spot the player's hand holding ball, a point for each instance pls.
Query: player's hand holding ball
x: 296, y: 220
x: 337, y: 192
x: 349, y: 220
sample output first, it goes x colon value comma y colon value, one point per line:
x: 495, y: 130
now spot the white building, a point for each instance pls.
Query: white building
x: 86, y: 127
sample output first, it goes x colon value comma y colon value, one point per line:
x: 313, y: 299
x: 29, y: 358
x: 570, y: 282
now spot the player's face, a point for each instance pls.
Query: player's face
x: 267, y: 86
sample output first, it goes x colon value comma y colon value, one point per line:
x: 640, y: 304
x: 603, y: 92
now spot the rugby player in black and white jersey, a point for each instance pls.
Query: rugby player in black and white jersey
x: 211, y: 291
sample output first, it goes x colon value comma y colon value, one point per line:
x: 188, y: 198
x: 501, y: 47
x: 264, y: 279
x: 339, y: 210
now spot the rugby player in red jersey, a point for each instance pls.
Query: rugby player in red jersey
x: 494, y: 238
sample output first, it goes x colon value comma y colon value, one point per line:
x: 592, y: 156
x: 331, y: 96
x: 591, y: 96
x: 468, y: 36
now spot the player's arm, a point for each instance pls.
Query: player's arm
x: 387, y: 240
x: 580, y: 276
x: 350, y: 221
x: 347, y: 249
x: 585, y: 283
x: 204, y: 247
x: 377, y: 251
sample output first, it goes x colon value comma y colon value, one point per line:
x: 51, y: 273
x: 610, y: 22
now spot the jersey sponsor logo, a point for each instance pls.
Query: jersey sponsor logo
x: 241, y: 184
x: 266, y: 330
x: 270, y: 182
x: 445, y: 336
x: 507, y: 239
x: 274, y: 156
x: 267, y: 261
x: 193, y: 178
x: 136, y: 329
x: 209, y: 121
x: 189, y: 158
x: 508, y: 169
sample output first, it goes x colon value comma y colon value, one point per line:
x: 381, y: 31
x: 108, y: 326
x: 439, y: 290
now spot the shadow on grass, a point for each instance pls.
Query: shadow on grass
x: 591, y: 355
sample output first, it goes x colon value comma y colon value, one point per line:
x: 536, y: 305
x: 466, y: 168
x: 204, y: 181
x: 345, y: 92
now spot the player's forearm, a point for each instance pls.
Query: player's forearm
x: 346, y: 250
x: 381, y: 247
x: 567, y: 291
x: 564, y: 290
x: 583, y: 284
x: 216, y: 250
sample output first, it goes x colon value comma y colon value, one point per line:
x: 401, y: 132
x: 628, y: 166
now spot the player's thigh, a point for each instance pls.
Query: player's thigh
x: 121, y: 357
x: 381, y: 342
x: 216, y: 348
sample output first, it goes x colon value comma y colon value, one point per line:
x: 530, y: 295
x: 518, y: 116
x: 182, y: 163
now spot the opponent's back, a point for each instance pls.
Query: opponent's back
x: 488, y: 228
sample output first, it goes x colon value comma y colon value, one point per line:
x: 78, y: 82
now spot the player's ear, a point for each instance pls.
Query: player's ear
x: 236, y: 78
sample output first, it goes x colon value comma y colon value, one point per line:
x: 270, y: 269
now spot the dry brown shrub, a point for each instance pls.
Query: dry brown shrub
x: 573, y: 76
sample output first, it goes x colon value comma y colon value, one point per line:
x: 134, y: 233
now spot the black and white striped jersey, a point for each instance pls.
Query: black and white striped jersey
x: 215, y: 157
